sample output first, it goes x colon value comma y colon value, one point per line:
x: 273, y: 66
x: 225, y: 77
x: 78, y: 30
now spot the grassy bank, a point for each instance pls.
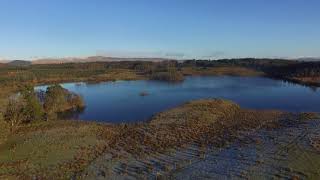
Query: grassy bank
x: 308, y: 81
x: 65, y: 148
x: 52, y: 149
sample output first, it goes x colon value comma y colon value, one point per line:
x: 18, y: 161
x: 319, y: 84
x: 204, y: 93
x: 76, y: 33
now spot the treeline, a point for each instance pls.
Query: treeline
x: 29, y: 105
x: 162, y: 70
x: 83, y: 71
x: 35, y: 73
x: 244, y: 62
x: 305, y: 69
x: 272, y: 67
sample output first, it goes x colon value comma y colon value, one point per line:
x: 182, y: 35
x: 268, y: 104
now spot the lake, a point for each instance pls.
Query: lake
x: 121, y: 101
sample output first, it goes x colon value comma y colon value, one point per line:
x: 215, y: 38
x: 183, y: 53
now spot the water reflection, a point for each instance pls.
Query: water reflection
x: 121, y: 101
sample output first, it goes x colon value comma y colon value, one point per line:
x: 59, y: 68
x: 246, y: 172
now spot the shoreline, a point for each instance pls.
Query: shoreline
x: 216, y: 123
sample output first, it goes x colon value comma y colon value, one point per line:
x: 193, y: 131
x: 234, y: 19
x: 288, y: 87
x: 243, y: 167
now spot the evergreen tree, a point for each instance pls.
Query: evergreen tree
x: 33, y: 109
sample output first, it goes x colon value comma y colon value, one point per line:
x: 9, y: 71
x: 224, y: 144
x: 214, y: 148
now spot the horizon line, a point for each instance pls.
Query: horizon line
x: 79, y: 58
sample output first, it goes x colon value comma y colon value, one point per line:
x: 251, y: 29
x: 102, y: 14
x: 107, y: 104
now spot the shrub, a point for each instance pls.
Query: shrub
x: 14, y: 113
x: 33, y: 109
x: 23, y: 108
x: 57, y: 100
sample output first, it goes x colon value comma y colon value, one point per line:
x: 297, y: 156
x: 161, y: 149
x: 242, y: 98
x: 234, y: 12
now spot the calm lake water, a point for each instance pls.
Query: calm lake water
x: 120, y: 101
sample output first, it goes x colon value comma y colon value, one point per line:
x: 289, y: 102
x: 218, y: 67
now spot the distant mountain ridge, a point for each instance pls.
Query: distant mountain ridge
x: 101, y: 59
x: 92, y: 59
x: 4, y: 61
x: 309, y: 59
x: 19, y: 63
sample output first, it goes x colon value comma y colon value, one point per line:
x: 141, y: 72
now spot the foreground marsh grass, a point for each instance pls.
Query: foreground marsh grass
x: 64, y: 149
x: 52, y: 149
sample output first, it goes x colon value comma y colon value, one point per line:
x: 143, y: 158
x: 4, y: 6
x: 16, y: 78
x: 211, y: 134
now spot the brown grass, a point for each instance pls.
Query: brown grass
x: 311, y: 81
x: 62, y: 148
x: 222, y: 71
x: 46, y: 150
x: 205, y: 122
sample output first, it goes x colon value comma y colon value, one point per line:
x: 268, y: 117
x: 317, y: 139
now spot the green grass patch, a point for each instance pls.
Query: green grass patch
x: 52, y: 149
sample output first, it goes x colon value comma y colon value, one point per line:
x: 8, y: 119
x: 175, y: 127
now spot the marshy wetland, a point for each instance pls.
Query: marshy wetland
x: 141, y: 122
x: 157, y: 90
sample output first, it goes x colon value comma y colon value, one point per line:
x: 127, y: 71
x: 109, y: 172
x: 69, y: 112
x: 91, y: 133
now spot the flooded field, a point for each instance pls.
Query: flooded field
x: 278, y: 150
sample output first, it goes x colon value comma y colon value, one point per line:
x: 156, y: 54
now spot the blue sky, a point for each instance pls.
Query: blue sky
x: 166, y: 28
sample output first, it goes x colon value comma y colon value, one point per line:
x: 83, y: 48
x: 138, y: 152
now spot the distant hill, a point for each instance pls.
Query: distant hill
x: 92, y: 59
x: 109, y: 59
x: 309, y: 59
x: 4, y: 61
x: 19, y: 63
x: 103, y: 58
x: 56, y: 61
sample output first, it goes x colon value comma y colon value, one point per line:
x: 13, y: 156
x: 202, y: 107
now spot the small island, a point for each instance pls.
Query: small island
x: 144, y: 93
